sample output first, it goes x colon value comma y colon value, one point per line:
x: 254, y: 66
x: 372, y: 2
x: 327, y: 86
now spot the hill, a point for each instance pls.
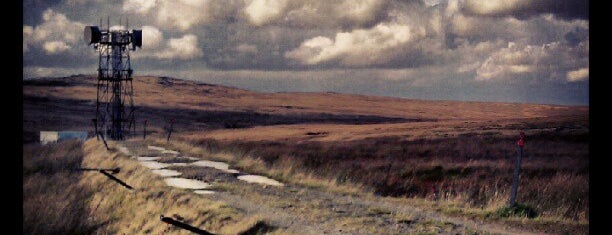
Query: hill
x: 197, y: 107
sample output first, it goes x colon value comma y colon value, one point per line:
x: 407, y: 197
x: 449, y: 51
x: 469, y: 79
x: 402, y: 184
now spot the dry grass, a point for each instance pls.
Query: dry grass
x: 251, y: 225
x: 59, y: 201
x: 53, y: 201
x: 137, y: 211
x: 473, y: 171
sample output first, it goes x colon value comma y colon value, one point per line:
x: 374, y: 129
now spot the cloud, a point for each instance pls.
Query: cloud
x: 461, y: 27
x: 182, y: 13
x: 511, y: 61
x: 246, y: 48
x: 54, y: 35
x: 81, y: 2
x: 433, y: 42
x: 477, y: 28
x: 187, y: 14
x: 138, y: 6
x: 117, y: 27
x: 577, y: 35
x: 185, y: 47
x: 27, y: 35
x: 260, y: 12
x: 431, y: 3
x: 152, y: 37
x: 55, y: 47
x: 358, y: 47
x: 359, y: 12
x: 568, y: 9
x: 316, y: 13
x: 32, y: 9
x: 578, y: 75
x: 155, y: 45
x: 548, y: 62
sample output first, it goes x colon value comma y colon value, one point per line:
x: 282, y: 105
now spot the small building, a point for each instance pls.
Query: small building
x: 55, y: 136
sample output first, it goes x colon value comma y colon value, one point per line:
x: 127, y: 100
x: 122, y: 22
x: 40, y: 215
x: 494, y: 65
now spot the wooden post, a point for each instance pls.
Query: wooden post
x: 171, y: 221
x: 170, y: 130
x: 145, y: 130
x: 517, y: 170
x: 102, y: 136
x: 95, y: 123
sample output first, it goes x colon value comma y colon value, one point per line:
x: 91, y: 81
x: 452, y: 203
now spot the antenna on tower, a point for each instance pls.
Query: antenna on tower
x: 115, y: 104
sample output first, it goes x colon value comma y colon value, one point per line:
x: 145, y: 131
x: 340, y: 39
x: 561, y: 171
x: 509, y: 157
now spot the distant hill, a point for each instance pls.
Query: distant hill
x: 69, y: 103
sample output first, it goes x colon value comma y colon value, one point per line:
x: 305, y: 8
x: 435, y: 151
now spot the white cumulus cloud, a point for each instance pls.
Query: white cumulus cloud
x: 54, y: 35
x: 547, y: 61
x: 155, y: 45
x: 55, y: 47
x: 117, y: 27
x: 185, y: 47
x: 315, y: 13
x: 494, y: 7
x: 578, y: 75
x: 183, y: 14
x: 359, y: 47
x: 260, y: 12
x: 359, y: 11
x: 152, y: 37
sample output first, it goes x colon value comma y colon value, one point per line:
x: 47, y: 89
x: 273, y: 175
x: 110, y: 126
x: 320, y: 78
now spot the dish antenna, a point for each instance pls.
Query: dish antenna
x: 114, y: 103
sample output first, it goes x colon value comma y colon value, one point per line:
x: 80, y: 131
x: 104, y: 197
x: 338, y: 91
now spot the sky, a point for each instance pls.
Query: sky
x: 526, y: 51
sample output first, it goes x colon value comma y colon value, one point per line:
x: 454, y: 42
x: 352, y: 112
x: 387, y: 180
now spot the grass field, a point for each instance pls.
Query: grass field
x: 388, y: 147
x: 53, y: 201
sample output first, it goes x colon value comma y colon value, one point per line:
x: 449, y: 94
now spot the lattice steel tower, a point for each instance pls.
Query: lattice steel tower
x: 114, y: 103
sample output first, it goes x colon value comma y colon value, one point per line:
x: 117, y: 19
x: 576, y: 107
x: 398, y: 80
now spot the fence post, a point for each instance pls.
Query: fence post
x: 170, y: 130
x: 145, y: 130
x: 95, y: 123
x: 102, y: 136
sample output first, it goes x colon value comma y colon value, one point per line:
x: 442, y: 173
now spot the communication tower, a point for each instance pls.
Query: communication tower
x: 114, y: 103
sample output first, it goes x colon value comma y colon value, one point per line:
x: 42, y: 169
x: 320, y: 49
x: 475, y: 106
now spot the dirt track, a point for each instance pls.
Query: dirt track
x: 306, y: 210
